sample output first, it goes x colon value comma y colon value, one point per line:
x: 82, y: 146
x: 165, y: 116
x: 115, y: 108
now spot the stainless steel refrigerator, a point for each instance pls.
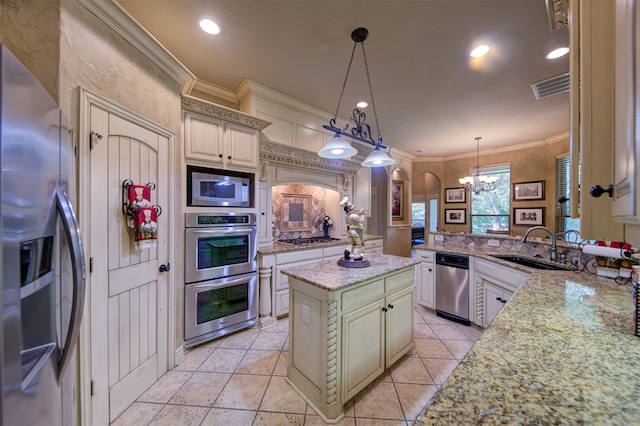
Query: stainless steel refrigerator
x: 42, y: 258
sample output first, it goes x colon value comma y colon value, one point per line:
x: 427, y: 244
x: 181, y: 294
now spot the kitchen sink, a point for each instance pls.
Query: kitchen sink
x: 532, y: 263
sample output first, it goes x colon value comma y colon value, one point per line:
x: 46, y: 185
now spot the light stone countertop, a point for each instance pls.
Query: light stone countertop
x: 283, y: 248
x: 562, y: 351
x: 330, y: 276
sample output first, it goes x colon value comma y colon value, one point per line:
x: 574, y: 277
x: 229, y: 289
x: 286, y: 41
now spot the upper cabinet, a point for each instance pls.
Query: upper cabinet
x: 220, y: 136
x: 592, y: 115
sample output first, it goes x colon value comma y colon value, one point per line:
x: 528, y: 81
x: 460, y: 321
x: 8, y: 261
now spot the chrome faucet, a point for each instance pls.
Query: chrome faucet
x: 553, y: 239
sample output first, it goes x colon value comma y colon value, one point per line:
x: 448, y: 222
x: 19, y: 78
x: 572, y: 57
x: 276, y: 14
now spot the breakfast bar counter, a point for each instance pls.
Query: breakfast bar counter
x: 562, y: 351
x: 347, y: 326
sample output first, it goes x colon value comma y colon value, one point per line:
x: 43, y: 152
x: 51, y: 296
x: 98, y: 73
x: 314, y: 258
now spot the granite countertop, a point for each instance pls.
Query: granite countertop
x: 562, y: 351
x: 283, y: 248
x: 330, y: 276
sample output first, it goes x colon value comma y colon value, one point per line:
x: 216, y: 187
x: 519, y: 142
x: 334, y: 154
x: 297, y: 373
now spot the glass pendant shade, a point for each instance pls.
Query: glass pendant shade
x: 378, y: 158
x: 336, y: 148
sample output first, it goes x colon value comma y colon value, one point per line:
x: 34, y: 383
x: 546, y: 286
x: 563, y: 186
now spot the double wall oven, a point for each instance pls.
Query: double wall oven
x: 221, y: 288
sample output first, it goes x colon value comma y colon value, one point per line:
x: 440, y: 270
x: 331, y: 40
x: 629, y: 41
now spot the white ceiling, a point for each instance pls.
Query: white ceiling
x: 429, y: 95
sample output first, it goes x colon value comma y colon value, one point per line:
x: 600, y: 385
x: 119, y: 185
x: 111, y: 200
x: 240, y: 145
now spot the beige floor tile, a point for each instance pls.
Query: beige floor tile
x: 417, y: 318
x: 201, y: 389
x: 410, y: 370
x: 448, y: 331
x: 432, y: 318
x: 280, y: 326
x: 226, y: 417
x: 413, y: 398
x: 281, y: 397
x: 314, y: 420
x: 172, y: 415
x: 440, y: 369
x: 380, y: 401
x: 258, y: 362
x: 278, y: 419
x: 432, y: 348
x: 458, y: 348
x: 270, y: 341
x: 193, y: 358
x: 380, y: 422
x: 424, y: 331
x: 138, y: 413
x: 282, y: 365
x: 240, y: 340
x: 243, y: 391
x: 472, y: 332
x: 223, y: 360
x: 164, y: 389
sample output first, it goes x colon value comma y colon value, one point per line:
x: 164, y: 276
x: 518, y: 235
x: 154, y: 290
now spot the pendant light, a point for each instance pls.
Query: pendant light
x: 478, y: 181
x: 338, y: 146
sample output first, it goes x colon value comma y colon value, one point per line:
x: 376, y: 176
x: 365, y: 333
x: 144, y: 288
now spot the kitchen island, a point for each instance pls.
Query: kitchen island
x: 562, y: 351
x: 346, y: 327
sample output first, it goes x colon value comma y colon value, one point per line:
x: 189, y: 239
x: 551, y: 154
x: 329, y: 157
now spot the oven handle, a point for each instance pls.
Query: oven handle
x: 225, y: 231
x: 221, y: 283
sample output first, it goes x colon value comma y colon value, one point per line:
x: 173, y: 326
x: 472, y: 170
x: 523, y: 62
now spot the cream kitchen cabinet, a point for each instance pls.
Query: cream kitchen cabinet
x: 494, y: 286
x: 220, y: 143
x: 425, y: 282
x: 281, y: 281
x: 363, y: 190
x: 265, y: 225
x: 342, y: 340
x: 374, y: 246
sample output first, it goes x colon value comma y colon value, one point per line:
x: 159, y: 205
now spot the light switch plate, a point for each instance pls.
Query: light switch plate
x: 493, y: 243
x: 439, y: 237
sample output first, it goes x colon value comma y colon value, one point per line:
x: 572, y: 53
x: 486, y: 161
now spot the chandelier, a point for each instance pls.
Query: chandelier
x: 356, y: 127
x: 478, y: 181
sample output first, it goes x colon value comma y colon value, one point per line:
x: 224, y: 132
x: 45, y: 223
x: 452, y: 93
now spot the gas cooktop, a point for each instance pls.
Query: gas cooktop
x: 307, y: 241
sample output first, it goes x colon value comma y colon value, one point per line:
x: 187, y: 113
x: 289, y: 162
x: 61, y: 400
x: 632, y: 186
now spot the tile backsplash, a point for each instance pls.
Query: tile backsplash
x: 298, y: 211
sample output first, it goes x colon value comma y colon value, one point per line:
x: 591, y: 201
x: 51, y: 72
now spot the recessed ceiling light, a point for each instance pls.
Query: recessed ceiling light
x: 561, y: 51
x: 362, y: 104
x: 208, y: 26
x: 481, y: 50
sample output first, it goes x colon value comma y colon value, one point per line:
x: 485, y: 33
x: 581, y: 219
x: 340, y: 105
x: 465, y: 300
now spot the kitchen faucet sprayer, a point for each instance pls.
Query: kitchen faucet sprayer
x: 551, y: 233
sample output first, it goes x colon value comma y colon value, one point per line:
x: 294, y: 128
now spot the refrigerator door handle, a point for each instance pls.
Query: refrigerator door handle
x: 70, y: 225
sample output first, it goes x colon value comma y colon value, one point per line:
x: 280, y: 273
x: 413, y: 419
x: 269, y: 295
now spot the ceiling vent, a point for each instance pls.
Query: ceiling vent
x: 551, y: 86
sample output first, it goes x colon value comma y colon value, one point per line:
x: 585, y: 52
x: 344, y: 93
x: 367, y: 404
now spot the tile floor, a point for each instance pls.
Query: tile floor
x: 240, y: 380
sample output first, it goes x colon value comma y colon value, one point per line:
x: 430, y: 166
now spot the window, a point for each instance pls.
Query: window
x: 564, y: 222
x: 490, y: 210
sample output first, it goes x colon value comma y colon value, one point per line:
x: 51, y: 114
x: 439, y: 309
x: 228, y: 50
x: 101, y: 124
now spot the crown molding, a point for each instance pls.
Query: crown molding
x: 215, y: 90
x: 285, y: 154
x: 116, y: 18
x: 190, y: 103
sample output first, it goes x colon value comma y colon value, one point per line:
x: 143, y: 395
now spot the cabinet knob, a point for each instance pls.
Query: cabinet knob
x: 390, y: 306
x: 165, y: 268
x: 384, y: 309
x: 597, y: 191
x: 229, y: 157
x: 501, y: 300
x: 220, y: 155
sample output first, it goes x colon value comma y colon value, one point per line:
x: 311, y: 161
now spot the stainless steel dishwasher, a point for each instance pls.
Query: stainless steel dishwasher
x: 452, y: 287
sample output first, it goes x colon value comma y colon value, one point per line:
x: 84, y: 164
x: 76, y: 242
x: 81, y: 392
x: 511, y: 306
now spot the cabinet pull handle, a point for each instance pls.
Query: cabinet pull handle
x: 384, y: 309
x: 390, y: 306
x: 597, y: 191
x: 501, y: 300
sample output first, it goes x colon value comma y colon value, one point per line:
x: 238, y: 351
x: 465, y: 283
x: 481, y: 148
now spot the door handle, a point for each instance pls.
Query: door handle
x: 165, y: 268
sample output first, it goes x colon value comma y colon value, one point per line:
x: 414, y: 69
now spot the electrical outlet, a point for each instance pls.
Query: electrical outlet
x: 439, y: 238
x: 493, y: 243
x: 305, y: 314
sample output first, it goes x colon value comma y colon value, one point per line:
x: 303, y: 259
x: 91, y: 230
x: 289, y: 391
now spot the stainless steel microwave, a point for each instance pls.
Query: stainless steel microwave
x: 218, y: 188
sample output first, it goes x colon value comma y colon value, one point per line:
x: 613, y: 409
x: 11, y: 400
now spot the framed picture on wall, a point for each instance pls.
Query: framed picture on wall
x: 528, y: 217
x: 455, y: 216
x: 397, y: 191
x: 455, y: 195
x: 524, y: 191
